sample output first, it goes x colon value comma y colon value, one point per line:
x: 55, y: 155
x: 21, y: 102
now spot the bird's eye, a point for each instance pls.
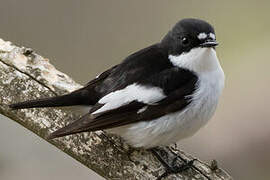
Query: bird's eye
x: 185, y: 41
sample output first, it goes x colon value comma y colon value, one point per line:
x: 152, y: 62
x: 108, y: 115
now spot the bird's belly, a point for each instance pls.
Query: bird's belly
x: 169, y: 128
x: 175, y: 126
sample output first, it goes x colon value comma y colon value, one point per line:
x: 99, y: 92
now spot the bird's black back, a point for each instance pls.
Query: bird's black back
x: 136, y: 67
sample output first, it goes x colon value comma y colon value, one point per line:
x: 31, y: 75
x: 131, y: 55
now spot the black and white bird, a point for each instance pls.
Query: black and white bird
x: 156, y: 96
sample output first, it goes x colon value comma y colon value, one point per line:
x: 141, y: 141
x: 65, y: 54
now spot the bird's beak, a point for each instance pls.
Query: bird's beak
x: 209, y: 43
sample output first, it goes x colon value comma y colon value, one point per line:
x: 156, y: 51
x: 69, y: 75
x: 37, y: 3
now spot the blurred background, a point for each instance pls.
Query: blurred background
x: 83, y: 38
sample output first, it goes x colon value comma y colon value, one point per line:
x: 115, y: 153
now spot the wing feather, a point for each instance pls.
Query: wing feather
x: 129, y: 113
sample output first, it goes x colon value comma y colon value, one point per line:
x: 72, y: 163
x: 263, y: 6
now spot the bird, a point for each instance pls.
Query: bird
x: 156, y: 96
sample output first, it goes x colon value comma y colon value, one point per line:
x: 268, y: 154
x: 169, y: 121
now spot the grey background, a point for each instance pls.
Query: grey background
x: 83, y: 38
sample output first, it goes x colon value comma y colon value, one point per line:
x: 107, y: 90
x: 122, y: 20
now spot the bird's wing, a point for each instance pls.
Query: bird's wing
x: 134, y: 68
x: 161, y: 94
x: 101, y: 76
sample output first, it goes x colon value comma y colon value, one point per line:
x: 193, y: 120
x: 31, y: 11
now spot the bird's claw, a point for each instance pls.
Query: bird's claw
x: 173, y: 167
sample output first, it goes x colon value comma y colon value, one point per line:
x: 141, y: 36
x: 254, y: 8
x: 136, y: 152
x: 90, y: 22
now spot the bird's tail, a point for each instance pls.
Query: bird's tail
x: 75, y: 98
x: 78, y: 126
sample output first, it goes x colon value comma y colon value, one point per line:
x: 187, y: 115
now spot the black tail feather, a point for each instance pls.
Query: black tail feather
x: 78, y: 126
x: 74, y: 98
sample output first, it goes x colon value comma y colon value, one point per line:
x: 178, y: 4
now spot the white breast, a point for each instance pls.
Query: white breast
x: 176, y: 126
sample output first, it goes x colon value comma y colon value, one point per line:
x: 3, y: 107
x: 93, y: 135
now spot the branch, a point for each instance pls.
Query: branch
x: 26, y: 75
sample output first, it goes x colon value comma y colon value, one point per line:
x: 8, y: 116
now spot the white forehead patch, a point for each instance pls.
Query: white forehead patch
x: 212, y: 35
x: 202, y: 36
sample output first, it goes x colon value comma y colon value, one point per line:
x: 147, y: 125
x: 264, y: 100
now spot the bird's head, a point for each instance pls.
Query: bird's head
x: 189, y: 41
x: 188, y: 34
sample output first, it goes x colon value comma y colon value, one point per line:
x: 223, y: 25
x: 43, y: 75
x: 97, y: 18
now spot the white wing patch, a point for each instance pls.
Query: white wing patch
x: 142, y: 110
x: 147, y: 95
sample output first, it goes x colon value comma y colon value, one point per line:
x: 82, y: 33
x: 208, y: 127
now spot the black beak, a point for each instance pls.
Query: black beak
x: 209, y: 43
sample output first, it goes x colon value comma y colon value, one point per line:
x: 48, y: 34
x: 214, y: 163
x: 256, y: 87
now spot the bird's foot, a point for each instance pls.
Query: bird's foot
x: 174, y: 166
x: 177, y: 169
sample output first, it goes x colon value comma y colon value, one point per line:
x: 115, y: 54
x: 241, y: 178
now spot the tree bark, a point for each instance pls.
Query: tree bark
x: 25, y: 75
